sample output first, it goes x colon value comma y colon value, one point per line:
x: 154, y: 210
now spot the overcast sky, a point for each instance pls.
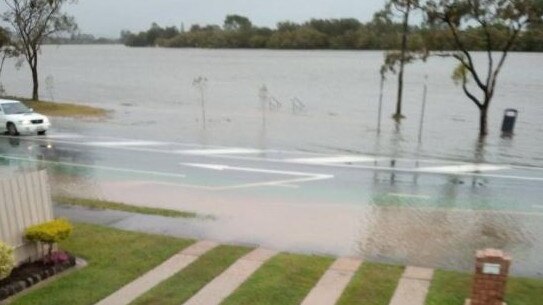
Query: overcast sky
x: 108, y: 17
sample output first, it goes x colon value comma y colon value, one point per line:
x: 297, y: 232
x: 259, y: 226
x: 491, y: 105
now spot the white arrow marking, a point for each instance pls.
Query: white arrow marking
x: 221, y: 167
x: 304, y: 177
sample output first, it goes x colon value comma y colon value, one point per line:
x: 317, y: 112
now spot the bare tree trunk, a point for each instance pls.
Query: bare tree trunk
x: 35, y: 79
x: 398, y: 115
x: 483, y: 121
x: 35, y: 86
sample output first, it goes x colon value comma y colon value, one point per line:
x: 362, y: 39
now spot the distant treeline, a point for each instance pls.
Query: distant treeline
x: 378, y: 34
x: 80, y: 39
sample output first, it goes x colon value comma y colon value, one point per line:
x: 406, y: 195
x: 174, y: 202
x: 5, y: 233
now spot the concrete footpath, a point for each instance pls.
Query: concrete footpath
x: 226, y: 283
x: 413, y: 286
x: 178, y: 262
x: 332, y: 284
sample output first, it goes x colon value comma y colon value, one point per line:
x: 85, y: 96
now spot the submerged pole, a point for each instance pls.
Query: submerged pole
x: 380, y: 111
x: 263, y: 94
x: 423, y: 110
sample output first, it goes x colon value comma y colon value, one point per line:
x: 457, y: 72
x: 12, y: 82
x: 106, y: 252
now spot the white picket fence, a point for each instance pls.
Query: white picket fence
x: 25, y: 200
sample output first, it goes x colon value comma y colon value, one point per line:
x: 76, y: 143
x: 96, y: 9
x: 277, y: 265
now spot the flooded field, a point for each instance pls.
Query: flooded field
x: 152, y: 93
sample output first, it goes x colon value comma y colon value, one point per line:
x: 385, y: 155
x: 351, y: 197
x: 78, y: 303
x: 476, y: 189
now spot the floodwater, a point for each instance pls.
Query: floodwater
x: 152, y: 96
x: 151, y: 91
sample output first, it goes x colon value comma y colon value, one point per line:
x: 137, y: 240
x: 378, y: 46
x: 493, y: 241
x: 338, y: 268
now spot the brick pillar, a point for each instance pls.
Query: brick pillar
x: 491, y: 272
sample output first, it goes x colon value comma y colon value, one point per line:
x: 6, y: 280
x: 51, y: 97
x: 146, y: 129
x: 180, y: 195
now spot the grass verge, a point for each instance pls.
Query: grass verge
x: 186, y: 283
x: 286, y: 279
x: 61, y: 109
x: 65, y: 109
x: 452, y: 288
x: 372, y: 284
x: 115, y: 258
x: 108, y: 205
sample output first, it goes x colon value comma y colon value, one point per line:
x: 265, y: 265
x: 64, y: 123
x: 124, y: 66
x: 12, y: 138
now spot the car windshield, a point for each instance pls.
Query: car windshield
x: 15, y: 108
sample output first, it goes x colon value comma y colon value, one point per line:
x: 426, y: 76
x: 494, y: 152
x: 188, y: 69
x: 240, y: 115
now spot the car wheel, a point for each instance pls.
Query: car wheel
x: 42, y: 133
x: 12, y: 129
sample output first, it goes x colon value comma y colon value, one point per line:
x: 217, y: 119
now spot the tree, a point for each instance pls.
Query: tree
x: 33, y: 21
x: 237, y: 23
x: 6, y: 50
x: 502, y: 22
x: 404, y: 7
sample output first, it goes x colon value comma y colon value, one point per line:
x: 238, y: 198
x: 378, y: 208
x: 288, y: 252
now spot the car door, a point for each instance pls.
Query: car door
x: 3, y: 120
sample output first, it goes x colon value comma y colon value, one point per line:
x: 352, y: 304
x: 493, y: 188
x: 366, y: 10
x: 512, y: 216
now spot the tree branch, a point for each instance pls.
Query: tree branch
x: 470, y: 64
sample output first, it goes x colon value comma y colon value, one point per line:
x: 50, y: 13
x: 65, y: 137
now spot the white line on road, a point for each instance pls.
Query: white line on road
x: 125, y: 143
x: 221, y: 151
x: 332, y: 160
x: 135, y: 171
x: 409, y: 195
x: 464, y: 168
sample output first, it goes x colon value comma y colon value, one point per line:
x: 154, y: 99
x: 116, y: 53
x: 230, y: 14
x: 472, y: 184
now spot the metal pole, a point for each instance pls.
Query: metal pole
x: 200, y: 83
x: 203, y: 106
x: 380, y: 105
x: 264, y: 101
x: 423, y: 110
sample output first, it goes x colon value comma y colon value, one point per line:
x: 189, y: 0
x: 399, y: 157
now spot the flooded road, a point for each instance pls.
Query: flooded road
x: 428, y: 212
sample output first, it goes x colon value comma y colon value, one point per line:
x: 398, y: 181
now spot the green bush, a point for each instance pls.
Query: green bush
x: 7, y: 261
x: 50, y: 233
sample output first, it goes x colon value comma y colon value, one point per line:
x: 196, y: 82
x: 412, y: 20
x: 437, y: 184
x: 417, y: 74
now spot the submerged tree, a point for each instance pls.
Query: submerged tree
x: 33, y: 21
x: 401, y: 58
x: 502, y: 22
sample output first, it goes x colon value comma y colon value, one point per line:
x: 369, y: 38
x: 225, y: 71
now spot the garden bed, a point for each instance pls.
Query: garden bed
x: 29, y: 274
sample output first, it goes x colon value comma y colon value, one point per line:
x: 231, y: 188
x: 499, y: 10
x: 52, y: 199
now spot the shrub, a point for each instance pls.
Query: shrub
x: 7, y: 261
x: 50, y: 233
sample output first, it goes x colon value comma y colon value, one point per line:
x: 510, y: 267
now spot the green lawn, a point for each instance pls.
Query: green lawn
x: 186, y: 283
x: 118, y: 257
x: 115, y: 258
x: 286, y: 279
x: 108, y: 205
x: 373, y: 284
x: 452, y: 288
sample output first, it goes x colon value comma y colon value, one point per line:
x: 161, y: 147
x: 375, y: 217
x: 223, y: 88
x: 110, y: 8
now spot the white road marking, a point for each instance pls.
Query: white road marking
x: 125, y: 143
x: 409, y: 195
x: 332, y: 160
x: 220, y: 167
x: 464, y: 168
x: 305, y: 177
x: 135, y: 171
x: 219, y: 151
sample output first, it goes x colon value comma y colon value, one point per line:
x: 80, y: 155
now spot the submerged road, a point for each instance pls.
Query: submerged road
x: 425, y: 212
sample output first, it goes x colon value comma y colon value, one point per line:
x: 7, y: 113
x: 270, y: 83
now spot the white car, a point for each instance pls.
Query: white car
x: 16, y: 119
